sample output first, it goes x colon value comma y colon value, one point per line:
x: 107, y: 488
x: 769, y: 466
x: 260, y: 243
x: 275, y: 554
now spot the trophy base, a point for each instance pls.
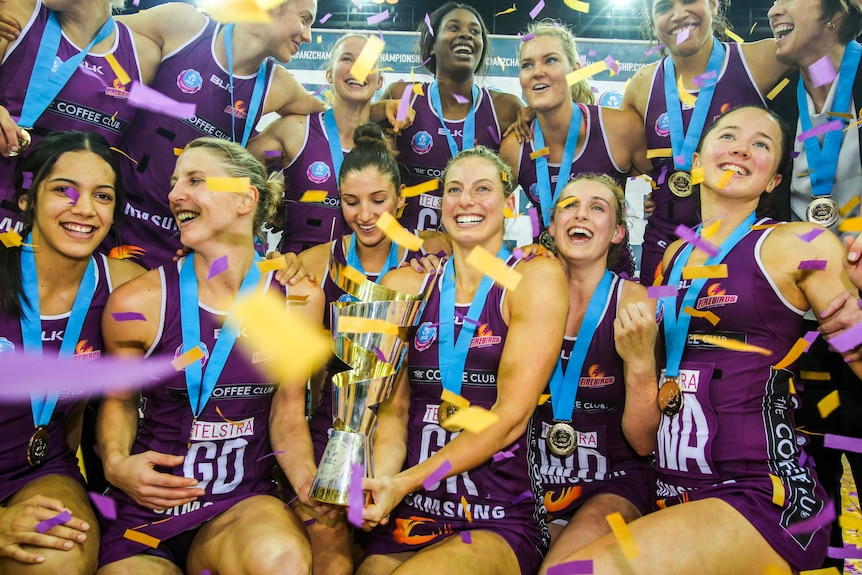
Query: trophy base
x: 332, y: 481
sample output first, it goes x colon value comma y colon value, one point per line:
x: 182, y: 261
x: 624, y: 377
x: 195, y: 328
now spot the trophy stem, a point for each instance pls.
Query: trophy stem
x: 344, y: 450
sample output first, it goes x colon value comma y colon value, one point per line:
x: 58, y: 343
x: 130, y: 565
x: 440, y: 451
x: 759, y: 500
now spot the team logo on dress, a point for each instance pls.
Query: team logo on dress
x: 596, y: 377
x: 180, y: 350
x: 662, y: 126
x: 484, y: 337
x: 189, y: 81
x: 85, y: 352
x: 6, y: 347
x: 422, y: 142
x: 425, y: 336
x: 611, y: 99
x: 118, y: 90
x: 238, y: 110
x: 318, y: 172
x: 349, y: 298
x: 418, y: 530
x: 716, y: 296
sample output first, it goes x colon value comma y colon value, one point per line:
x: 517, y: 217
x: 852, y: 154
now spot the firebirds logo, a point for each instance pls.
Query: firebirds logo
x: 716, y: 296
x: 484, y: 337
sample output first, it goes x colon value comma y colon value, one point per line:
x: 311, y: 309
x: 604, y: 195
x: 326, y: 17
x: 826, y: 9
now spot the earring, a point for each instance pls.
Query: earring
x: 830, y: 25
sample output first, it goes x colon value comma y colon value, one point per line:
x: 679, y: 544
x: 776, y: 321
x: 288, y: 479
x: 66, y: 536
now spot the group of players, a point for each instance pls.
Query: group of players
x: 697, y: 448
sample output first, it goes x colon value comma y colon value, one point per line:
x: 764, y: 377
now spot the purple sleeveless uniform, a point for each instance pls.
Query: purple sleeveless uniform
x: 16, y: 425
x: 309, y: 224
x: 603, y: 462
x: 736, y: 426
x: 188, y: 74
x: 503, y: 496
x: 424, y: 149
x: 320, y: 422
x: 735, y: 87
x: 226, y: 452
x: 93, y: 100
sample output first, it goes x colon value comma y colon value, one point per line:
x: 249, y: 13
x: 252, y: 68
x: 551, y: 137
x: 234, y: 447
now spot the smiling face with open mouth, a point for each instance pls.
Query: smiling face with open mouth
x: 459, y: 45
x: 346, y: 86
x: 801, y: 35
x: 544, y: 66
x: 585, y: 225
x: 474, y: 201
x: 365, y: 194
x: 672, y: 17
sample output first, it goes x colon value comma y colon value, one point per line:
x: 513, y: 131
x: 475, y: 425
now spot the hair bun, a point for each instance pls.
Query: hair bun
x: 370, y: 134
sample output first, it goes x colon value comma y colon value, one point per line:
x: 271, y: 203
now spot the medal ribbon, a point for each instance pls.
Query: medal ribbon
x: 543, y: 176
x: 256, y: 94
x: 353, y: 259
x: 469, y: 135
x: 565, y: 381
x: 334, y: 138
x: 676, y: 323
x: 200, y: 385
x: 42, y: 406
x: 45, y: 82
x: 452, y: 353
x: 684, y: 142
x: 823, y: 162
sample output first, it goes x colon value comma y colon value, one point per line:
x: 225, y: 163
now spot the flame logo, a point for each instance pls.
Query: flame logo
x: 126, y: 252
x: 484, y: 331
x: 715, y: 290
x: 82, y: 347
x: 567, y: 496
x: 596, y: 371
x: 404, y: 528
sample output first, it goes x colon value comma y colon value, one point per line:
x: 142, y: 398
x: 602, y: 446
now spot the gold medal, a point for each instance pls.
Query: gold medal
x: 670, y: 397
x: 23, y: 143
x: 822, y: 211
x: 680, y: 184
x: 561, y: 439
x: 446, y: 411
x: 37, y: 449
x: 547, y: 241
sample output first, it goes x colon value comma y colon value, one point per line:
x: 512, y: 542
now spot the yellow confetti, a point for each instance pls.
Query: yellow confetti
x: 178, y: 151
x: 798, y: 349
x: 367, y: 58
x: 850, y: 225
x: 141, y: 538
x: 725, y: 179
x: 848, y: 207
x: 293, y: 345
x: 732, y: 344
x: 319, y: 39
x: 696, y: 272
x: 393, y: 230
x: 566, y: 202
x: 354, y: 275
x: 623, y: 535
x: 504, y: 176
x: 697, y: 175
x: 543, y: 398
x: 685, y: 96
x: 11, y: 239
x: 583, y: 73
x: 227, y: 419
x: 778, y: 493
x: 233, y: 185
x: 540, y: 152
x: 313, y: 196
x: 849, y: 522
x: 507, y: 10
x: 578, y: 5
x: 828, y: 404
x: 188, y: 358
x: 778, y: 87
x: 775, y: 570
x: 494, y: 268
x: 753, y: 26
x: 707, y: 315
x: 709, y: 230
x: 844, y: 115
x: 418, y: 189
x: 791, y: 386
x: 508, y: 213
x: 736, y: 38
x: 824, y: 571
x: 378, y: 70
x: 815, y: 375
x: 756, y: 227
x: 659, y: 153
x: 128, y: 157
x: 122, y: 76
x: 455, y: 399
x: 350, y: 324
x: 272, y: 264
x: 473, y: 419
x: 246, y: 11
x: 467, y: 513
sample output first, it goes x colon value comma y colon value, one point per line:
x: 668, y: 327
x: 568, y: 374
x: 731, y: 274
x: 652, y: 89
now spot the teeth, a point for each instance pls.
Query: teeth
x: 734, y: 168
x: 80, y: 228
x: 782, y: 29
x: 367, y: 228
x: 463, y: 50
x: 540, y: 86
x: 469, y: 219
x: 579, y: 230
x: 355, y: 83
x: 186, y: 216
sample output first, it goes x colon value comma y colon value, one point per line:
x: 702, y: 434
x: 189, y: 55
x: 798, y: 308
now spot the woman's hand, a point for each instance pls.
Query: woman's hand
x: 10, y: 29
x: 649, y: 205
x: 136, y: 476
x: 18, y: 528
x: 293, y: 272
x: 430, y: 263
x: 521, y: 126
x: 635, y: 332
x: 385, y: 495
x: 10, y: 134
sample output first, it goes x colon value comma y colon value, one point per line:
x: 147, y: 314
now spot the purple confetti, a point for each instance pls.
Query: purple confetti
x: 128, y: 316
x: 683, y: 35
x: 355, y: 497
x: 584, y: 567
x: 534, y: 220
x: 809, y: 236
x: 810, y: 337
x: 493, y: 133
x: 662, y: 175
x: 428, y: 23
x: 273, y: 454
x: 58, y: 519
x: 106, y: 505
x: 519, y: 255
x: 26, y: 180
x: 661, y: 291
x: 653, y: 50
x: 326, y: 17
x: 404, y: 105
x: 379, y: 353
x: 272, y: 154
x: 825, y: 517
x: 687, y: 235
x: 308, y: 522
x: 93, y: 74
x: 822, y: 72
x: 851, y: 552
x: 803, y: 457
x: 536, y: 9
x: 437, y: 475
x: 460, y: 99
x: 217, y: 267
x: 501, y: 455
x: 848, y: 339
x: 591, y: 53
x: 612, y: 64
x: 146, y: 98
x: 594, y: 90
x: 466, y: 319
x: 528, y: 494
x: 466, y: 537
x: 679, y: 160
x: 527, y: 37
x: 821, y: 129
x: 380, y: 34
x: 378, y: 18
x: 794, y: 154
x: 842, y: 442
x: 72, y: 194
x: 707, y: 79
x: 812, y: 265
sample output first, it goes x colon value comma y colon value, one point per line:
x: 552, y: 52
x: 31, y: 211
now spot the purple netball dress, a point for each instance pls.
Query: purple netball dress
x: 308, y: 224
x: 736, y: 426
x: 503, y: 496
x: 735, y: 87
x: 93, y: 100
x: 225, y: 447
x: 424, y: 148
x: 16, y: 425
x: 603, y: 461
x: 189, y: 74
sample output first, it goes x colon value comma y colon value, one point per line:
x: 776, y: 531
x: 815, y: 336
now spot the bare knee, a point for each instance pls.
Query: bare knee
x: 377, y: 565
x: 73, y: 562
x: 276, y: 557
